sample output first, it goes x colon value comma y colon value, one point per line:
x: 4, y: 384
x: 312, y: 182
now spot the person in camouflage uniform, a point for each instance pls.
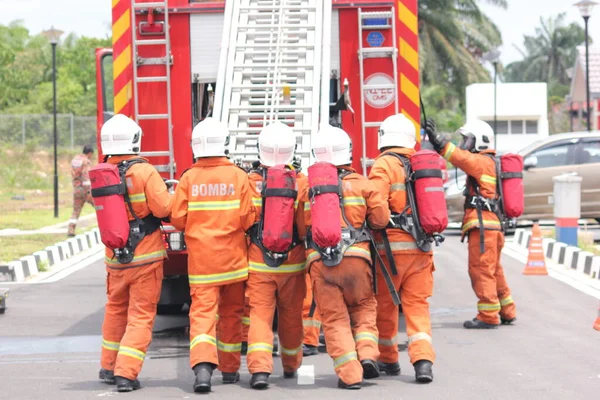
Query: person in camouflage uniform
x: 80, y: 168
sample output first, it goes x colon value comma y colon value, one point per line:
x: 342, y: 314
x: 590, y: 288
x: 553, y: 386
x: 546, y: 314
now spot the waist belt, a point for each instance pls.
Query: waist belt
x: 333, y: 255
x: 139, y: 228
x: 474, y: 202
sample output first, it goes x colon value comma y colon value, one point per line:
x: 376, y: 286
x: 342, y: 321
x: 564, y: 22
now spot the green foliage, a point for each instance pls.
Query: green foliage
x: 26, y: 72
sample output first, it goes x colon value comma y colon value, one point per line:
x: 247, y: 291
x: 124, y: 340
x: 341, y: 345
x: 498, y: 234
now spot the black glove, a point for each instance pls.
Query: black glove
x: 437, y: 140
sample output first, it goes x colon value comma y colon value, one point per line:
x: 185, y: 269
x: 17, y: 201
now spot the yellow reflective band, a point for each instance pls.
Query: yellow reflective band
x: 488, y: 179
x: 506, y: 301
x: 488, y: 307
x: 282, y: 269
x: 216, y: 278
x: 311, y: 323
x: 419, y: 336
x: 296, y: 204
x: 229, y: 347
x: 108, y: 345
x: 486, y: 222
x: 341, y: 360
x: 365, y: 336
x: 449, y: 150
x: 131, y: 352
x: 257, y: 201
x: 203, y: 338
x: 357, y: 252
x: 137, y: 198
x: 214, y: 205
x: 387, y: 342
x: 398, y: 187
x: 307, y: 206
x: 246, y: 320
x: 260, y: 347
x: 312, y: 256
x: 354, y: 201
x: 395, y: 246
x: 291, y: 352
x: 141, y: 257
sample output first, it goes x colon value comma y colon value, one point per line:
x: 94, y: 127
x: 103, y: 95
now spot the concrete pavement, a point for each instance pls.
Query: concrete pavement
x: 50, y: 338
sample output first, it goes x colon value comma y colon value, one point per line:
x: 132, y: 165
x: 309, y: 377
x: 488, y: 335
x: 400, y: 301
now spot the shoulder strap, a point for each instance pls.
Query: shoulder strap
x: 123, y: 168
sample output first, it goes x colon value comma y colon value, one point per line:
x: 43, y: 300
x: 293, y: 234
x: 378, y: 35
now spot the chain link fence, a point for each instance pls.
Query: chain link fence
x: 37, y: 130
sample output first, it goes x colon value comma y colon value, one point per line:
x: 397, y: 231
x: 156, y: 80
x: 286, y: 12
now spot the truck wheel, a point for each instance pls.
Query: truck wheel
x: 169, y: 309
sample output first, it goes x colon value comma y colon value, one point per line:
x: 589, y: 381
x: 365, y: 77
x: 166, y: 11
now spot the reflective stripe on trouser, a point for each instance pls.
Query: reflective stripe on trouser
x: 80, y: 197
x: 312, y: 326
x: 348, y: 314
x: 266, y: 291
x: 487, y: 277
x: 246, y: 319
x: 217, y: 342
x: 414, y: 282
x: 129, y: 316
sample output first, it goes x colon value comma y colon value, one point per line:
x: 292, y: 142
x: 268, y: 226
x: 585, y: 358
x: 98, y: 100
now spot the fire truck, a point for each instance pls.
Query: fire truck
x: 250, y: 62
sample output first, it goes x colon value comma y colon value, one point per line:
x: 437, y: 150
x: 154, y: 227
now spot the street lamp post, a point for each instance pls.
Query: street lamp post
x: 585, y: 7
x: 494, y: 57
x: 53, y: 35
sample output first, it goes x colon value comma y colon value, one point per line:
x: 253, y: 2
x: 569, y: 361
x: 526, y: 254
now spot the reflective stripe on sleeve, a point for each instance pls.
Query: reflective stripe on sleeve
x: 137, y: 198
x: 449, y: 150
x: 398, y: 187
x: 488, y: 179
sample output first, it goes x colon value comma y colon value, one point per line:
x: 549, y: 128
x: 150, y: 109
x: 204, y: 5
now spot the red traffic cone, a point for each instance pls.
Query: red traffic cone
x: 597, y: 323
x: 536, y: 262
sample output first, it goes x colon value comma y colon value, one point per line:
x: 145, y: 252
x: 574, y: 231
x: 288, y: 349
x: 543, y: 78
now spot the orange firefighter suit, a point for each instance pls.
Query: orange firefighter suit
x: 344, y: 293
x: 487, y: 275
x: 282, y: 287
x: 312, y: 324
x: 133, y: 289
x: 413, y: 278
x: 213, y: 205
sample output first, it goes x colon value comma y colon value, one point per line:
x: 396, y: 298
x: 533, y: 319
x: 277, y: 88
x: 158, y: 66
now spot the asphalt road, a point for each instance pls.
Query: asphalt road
x: 50, y: 341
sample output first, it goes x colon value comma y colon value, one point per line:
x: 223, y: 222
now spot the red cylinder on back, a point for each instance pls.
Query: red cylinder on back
x: 111, y: 212
x: 325, y: 208
x: 278, y: 213
x: 511, y: 169
x: 429, y: 191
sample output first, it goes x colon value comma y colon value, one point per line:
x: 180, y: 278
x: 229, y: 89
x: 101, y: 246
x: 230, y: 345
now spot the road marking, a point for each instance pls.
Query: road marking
x: 306, y: 375
x: 572, y: 278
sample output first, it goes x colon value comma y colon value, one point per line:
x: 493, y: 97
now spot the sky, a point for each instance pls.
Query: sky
x: 94, y: 18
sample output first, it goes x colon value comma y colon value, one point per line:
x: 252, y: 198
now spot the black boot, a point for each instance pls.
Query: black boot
x: 389, y: 368
x: 370, y: 369
x: 230, y: 377
x: 350, y: 386
x: 289, y: 375
x: 506, y: 321
x: 203, y: 373
x: 423, y: 372
x: 260, y: 380
x: 478, y: 324
x: 126, y: 385
x: 308, y: 350
x: 107, y: 376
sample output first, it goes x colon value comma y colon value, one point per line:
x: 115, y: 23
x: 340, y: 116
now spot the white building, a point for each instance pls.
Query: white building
x: 522, y: 112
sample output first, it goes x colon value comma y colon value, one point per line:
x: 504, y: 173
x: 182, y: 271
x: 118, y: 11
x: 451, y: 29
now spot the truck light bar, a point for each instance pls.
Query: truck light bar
x: 174, y: 241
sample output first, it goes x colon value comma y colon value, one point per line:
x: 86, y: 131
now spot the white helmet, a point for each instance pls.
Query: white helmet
x: 276, y: 144
x: 120, y: 135
x: 332, y: 145
x: 477, y: 136
x: 210, y: 138
x: 397, y: 131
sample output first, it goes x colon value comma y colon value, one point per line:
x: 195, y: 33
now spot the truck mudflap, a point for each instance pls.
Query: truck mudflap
x: 3, y: 296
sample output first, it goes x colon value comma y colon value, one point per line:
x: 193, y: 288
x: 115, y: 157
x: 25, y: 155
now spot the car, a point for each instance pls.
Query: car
x: 575, y: 152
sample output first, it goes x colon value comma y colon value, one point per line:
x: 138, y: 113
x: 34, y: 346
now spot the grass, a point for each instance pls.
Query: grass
x: 14, y: 247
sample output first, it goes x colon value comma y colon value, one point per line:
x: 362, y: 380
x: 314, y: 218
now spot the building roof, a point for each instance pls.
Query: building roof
x: 578, y: 78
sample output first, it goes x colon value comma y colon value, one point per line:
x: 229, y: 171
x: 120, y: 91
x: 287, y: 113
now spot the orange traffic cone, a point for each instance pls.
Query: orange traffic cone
x: 597, y: 323
x: 536, y: 262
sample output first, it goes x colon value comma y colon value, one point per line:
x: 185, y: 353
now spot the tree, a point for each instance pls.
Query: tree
x: 454, y: 34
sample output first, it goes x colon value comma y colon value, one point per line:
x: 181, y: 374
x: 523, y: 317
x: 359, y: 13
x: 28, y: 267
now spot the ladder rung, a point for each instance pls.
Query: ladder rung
x: 270, y: 8
x: 145, y: 79
x: 376, y: 14
x: 376, y: 87
x: 269, y: 86
x: 371, y: 50
x: 370, y: 27
x: 152, y: 116
x: 155, y: 154
x: 283, y: 107
x: 156, y: 4
x: 372, y: 124
x: 150, y: 42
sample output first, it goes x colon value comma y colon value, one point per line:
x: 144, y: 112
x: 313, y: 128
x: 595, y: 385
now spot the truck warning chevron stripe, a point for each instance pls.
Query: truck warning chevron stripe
x: 122, y: 57
x: 408, y: 42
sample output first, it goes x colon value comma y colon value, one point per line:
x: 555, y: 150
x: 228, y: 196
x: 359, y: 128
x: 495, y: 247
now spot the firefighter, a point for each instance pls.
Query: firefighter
x: 280, y: 286
x: 133, y: 289
x: 311, y: 321
x: 344, y: 292
x: 80, y: 168
x: 213, y: 205
x: 475, y: 155
x: 411, y: 268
